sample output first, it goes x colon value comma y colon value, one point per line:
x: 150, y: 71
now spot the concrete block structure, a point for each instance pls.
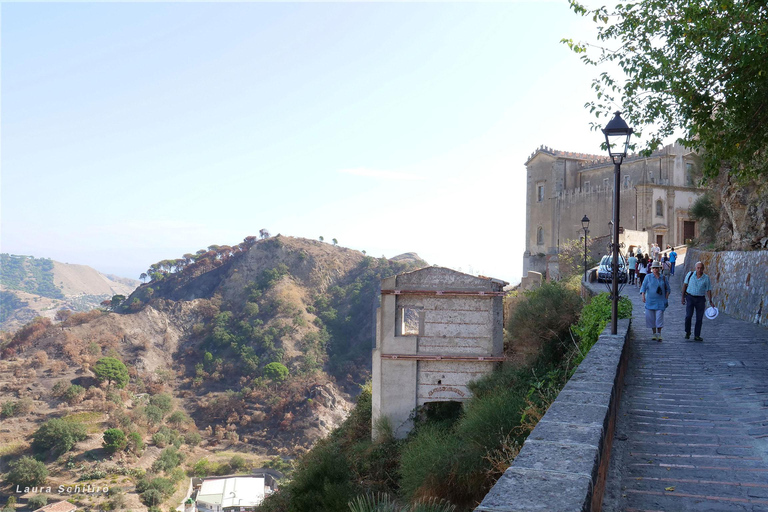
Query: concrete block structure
x: 436, y: 330
x: 656, y: 193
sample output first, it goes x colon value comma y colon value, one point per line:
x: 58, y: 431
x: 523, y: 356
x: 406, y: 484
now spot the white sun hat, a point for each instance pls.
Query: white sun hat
x: 711, y: 312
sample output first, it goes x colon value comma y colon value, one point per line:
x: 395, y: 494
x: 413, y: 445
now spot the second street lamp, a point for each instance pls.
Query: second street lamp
x: 617, y: 134
x: 585, y: 226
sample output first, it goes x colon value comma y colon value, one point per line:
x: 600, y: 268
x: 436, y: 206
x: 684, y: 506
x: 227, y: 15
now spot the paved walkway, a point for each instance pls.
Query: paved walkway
x: 692, y: 430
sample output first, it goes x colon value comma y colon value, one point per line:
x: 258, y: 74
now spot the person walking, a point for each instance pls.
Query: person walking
x: 655, y: 252
x: 697, y: 287
x: 643, y: 269
x: 655, y: 293
x: 632, y: 263
x: 665, y: 266
x: 672, y: 260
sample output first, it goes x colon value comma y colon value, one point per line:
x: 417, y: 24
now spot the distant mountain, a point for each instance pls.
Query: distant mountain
x: 32, y: 287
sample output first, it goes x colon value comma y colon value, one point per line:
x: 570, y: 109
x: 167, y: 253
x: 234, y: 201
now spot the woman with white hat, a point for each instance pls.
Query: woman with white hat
x: 655, y: 293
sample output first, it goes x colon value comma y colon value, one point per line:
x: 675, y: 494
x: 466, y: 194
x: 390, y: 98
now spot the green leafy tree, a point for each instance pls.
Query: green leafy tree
x: 276, y: 372
x: 27, y: 472
x: 699, y: 66
x: 135, y: 443
x: 322, y: 239
x: 111, y: 370
x: 178, y: 418
x: 335, y: 242
x: 114, y: 440
x: 58, y: 436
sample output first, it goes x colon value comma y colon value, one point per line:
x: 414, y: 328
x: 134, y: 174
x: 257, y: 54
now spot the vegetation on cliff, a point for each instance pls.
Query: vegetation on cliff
x: 29, y: 274
x: 454, y: 454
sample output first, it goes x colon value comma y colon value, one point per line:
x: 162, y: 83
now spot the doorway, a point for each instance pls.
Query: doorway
x: 689, y: 230
x: 660, y: 240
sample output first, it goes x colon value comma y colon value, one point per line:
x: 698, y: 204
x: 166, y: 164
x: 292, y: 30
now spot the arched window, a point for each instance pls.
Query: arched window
x: 659, y: 208
x: 540, y: 236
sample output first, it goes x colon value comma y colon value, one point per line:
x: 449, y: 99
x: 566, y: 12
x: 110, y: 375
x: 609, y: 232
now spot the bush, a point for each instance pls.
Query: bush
x: 594, y: 317
x: 178, y: 418
x: 276, y: 372
x: 168, y: 459
x: 163, y: 401
x: 192, y: 438
x: 74, y: 394
x: 135, y: 443
x: 114, y: 440
x: 58, y: 436
x: 541, y: 316
x: 238, y: 464
x: 37, y: 501
x: 27, y: 472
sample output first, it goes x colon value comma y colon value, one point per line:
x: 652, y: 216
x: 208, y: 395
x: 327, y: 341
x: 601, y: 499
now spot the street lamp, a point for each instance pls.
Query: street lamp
x: 617, y: 134
x: 585, y: 226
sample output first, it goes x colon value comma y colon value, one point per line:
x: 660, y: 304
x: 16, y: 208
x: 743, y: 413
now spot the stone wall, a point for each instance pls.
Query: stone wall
x: 563, y: 464
x: 739, y: 281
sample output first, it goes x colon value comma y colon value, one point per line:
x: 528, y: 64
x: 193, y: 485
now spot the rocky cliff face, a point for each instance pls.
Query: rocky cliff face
x: 743, y: 213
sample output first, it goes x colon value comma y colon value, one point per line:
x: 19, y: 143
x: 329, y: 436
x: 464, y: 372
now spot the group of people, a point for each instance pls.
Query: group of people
x: 655, y: 290
x: 640, y: 265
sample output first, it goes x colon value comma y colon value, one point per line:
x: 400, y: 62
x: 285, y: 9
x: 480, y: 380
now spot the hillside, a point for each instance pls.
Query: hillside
x: 258, y: 348
x: 31, y: 287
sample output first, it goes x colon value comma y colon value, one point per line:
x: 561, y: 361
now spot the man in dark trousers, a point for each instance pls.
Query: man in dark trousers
x: 696, y: 289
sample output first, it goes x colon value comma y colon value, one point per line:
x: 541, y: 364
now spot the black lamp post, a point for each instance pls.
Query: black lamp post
x: 617, y: 134
x: 585, y: 226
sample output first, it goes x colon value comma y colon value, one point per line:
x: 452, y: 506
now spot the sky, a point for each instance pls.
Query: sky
x: 136, y: 132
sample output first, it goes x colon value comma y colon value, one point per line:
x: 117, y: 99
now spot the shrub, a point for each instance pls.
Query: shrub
x: 59, y: 388
x: 238, y: 464
x: 74, y: 394
x: 57, y: 436
x: 168, y: 459
x: 276, y: 372
x: 163, y: 401
x: 39, y: 359
x: 27, y: 472
x: 38, y: 500
x: 178, y: 418
x: 135, y: 443
x: 153, y: 414
x: 192, y: 438
x: 594, y: 317
x: 114, y: 440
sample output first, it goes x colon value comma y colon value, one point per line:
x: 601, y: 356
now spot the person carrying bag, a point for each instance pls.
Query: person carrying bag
x: 655, y: 292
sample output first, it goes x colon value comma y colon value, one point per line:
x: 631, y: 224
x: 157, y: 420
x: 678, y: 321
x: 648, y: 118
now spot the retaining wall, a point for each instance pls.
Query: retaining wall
x: 739, y: 281
x: 563, y: 464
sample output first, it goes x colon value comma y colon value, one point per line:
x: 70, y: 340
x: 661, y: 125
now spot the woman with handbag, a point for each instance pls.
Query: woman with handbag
x: 655, y: 293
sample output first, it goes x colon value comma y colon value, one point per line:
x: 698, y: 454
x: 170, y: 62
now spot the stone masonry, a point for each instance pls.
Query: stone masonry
x: 739, y: 281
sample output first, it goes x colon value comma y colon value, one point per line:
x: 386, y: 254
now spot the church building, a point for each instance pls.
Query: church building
x: 656, y: 193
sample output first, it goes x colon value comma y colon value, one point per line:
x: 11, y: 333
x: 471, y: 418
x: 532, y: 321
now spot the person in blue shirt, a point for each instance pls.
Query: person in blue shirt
x: 696, y: 289
x: 655, y: 293
x: 672, y: 260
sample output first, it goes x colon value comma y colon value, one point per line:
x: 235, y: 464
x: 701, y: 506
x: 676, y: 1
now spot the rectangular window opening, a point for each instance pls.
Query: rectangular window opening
x: 410, y: 322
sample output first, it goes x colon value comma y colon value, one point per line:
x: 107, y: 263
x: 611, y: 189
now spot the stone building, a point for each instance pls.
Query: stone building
x: 436, y: 331
x: 655, y: 195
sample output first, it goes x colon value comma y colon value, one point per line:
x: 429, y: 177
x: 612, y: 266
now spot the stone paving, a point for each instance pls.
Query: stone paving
x: 692, y: 431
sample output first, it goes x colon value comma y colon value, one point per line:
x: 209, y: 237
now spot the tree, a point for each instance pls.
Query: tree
x: 696, y: 65
x: 276, y: 372
x: 62, y: 315
x: 322, y: 239
x: 143, y: 276
x: 116, y: 301
x: 135, y: 443
x: 114, y: 440
x: 178, y: 418
x: 163, y: 401
x: 58, y: 436
x: 27, y: 472
x: 263, y: 233
x: 111, y: 370
x: 335, y: 242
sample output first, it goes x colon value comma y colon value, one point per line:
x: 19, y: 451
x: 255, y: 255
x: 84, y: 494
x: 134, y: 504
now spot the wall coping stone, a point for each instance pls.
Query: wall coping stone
x: 559, y: 466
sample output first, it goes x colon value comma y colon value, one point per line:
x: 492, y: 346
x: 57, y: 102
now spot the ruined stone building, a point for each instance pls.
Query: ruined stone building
x: 655, y: 195
x: 436, y: 331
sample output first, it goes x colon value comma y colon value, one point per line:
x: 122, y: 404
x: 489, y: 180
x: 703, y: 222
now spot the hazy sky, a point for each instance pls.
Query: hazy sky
x: 136, y: 132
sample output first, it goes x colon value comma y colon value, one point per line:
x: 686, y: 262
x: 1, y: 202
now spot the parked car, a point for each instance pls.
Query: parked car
x: 605, y: 269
